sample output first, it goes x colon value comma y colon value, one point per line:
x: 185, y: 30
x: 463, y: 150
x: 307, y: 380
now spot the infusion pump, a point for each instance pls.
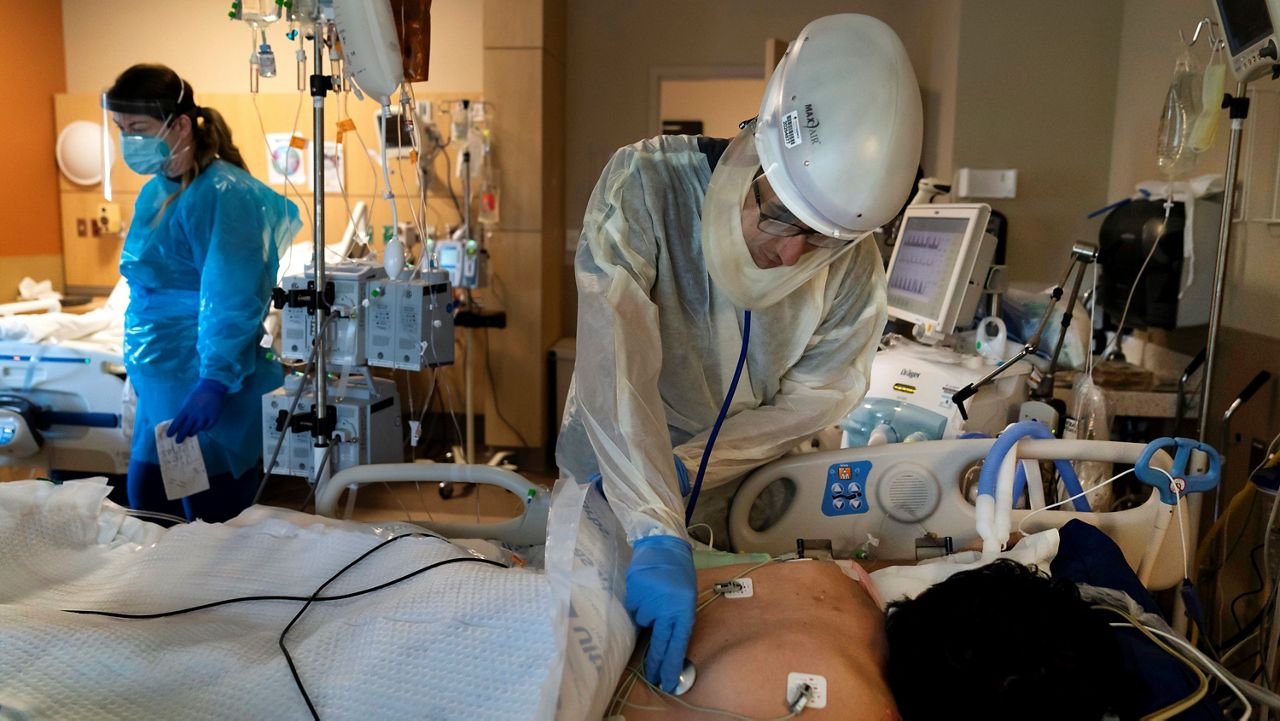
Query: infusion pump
x: 405, y: 324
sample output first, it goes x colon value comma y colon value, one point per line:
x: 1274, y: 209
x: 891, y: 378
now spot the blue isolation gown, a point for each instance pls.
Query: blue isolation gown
x: 201, y: 265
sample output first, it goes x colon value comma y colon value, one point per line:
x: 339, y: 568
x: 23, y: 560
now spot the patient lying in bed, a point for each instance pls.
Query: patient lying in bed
x: 804, y: 616
x: 1000, y: 642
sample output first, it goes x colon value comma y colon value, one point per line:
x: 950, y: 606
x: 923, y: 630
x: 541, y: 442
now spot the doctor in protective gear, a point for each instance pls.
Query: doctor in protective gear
x: 689, y: 244
x: 201, y: 258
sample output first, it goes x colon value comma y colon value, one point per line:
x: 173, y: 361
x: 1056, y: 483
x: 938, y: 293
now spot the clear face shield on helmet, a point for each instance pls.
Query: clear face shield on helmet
x: 777, y: 220
x: 144, y: 129
x: 737, y: 176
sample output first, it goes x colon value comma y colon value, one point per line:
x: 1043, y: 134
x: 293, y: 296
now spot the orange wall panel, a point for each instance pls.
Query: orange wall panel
x: 33, y: 68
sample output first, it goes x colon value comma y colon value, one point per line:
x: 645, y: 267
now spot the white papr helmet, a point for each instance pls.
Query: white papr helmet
x: 840, y: 126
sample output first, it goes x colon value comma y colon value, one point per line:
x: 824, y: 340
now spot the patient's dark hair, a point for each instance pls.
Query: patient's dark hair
x: 1004, y: 642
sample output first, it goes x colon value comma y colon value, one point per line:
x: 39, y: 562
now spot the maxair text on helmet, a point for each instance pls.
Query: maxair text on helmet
x: 811, y: 122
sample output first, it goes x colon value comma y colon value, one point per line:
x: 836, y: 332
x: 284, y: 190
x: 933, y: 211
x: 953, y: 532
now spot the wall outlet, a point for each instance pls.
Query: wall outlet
x: 109, y: 217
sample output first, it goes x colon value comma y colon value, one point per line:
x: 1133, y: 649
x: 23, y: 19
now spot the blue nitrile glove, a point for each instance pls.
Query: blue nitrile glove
x: 199, y: 411
x: 597, y: 480
x: 662, y: 590
x: 683, y: 474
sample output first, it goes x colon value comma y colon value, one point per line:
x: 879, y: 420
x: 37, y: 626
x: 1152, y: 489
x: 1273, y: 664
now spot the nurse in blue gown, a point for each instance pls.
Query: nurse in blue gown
x: 201, y: 258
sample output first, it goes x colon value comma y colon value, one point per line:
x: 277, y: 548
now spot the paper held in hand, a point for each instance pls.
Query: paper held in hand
x: 181, y: 465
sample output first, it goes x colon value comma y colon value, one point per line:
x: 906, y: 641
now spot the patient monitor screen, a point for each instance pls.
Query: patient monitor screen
x: 1247, y: 21
x: 447, y: 257
x: 928, y: 252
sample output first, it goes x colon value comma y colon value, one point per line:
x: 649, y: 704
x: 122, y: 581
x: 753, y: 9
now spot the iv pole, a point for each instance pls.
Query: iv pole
x: 316, y: 299
x: 1238, y: 108
x: 320, y: 85
x: 1238, y: 105
x: 468, y: 380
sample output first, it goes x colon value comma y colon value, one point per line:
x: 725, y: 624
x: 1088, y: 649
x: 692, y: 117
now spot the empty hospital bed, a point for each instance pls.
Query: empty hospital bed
x: 62, y: 385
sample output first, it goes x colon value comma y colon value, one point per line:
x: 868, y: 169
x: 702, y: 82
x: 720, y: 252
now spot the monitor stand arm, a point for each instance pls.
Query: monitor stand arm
x: 1082, y: 255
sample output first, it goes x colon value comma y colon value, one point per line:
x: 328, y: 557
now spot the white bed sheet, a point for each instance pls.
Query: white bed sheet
x: 465, y: 641
x: 99, y: 329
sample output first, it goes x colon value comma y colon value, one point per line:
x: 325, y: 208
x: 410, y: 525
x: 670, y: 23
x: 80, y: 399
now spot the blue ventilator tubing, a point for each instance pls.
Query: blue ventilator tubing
x: 1019, y: 475
x: 1004, y: 443
x: 724, y: 410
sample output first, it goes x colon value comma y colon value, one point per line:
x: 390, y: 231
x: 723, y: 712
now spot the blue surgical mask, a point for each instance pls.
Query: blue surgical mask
x: 144, y: 154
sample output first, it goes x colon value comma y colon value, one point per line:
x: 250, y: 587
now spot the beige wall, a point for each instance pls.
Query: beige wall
x: 938, y: 84
x: 615, y: 48
x: 720, y: 103
x: 196, y: 38
x: 1252, y: 283
x: 1005, y: 83
x: 1036, y: 91
x: 1250, y: 339
x: 1149, y: 48
x: 524, y: 79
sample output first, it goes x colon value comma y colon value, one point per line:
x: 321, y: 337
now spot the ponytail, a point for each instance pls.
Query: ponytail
x: 213, y: 139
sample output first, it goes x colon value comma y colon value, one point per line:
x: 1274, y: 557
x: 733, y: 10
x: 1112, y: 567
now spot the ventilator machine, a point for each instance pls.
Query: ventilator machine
x: 942, y: 265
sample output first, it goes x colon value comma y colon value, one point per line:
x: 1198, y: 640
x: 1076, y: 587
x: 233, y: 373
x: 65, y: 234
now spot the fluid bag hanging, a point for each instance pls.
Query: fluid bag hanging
x: 1215, y: 86
x: 1174, y: 155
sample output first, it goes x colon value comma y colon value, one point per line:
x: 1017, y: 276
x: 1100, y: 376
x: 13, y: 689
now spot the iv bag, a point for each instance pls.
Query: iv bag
x: 1215, y: 85
x: 1174, y: 155
x: 263, y: 12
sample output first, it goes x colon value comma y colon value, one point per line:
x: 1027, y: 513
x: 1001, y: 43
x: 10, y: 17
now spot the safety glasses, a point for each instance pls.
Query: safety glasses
x: 777, y: 221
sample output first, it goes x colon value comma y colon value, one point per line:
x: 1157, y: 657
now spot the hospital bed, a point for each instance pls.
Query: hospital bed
x: 914, y: 502
x: 64, y: 400
x: 62, y: 385
x: 548, y: 639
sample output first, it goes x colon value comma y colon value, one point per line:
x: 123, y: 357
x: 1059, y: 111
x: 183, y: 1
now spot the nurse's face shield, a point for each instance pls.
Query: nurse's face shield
x: 774, y: 218
x: 130, y: 118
